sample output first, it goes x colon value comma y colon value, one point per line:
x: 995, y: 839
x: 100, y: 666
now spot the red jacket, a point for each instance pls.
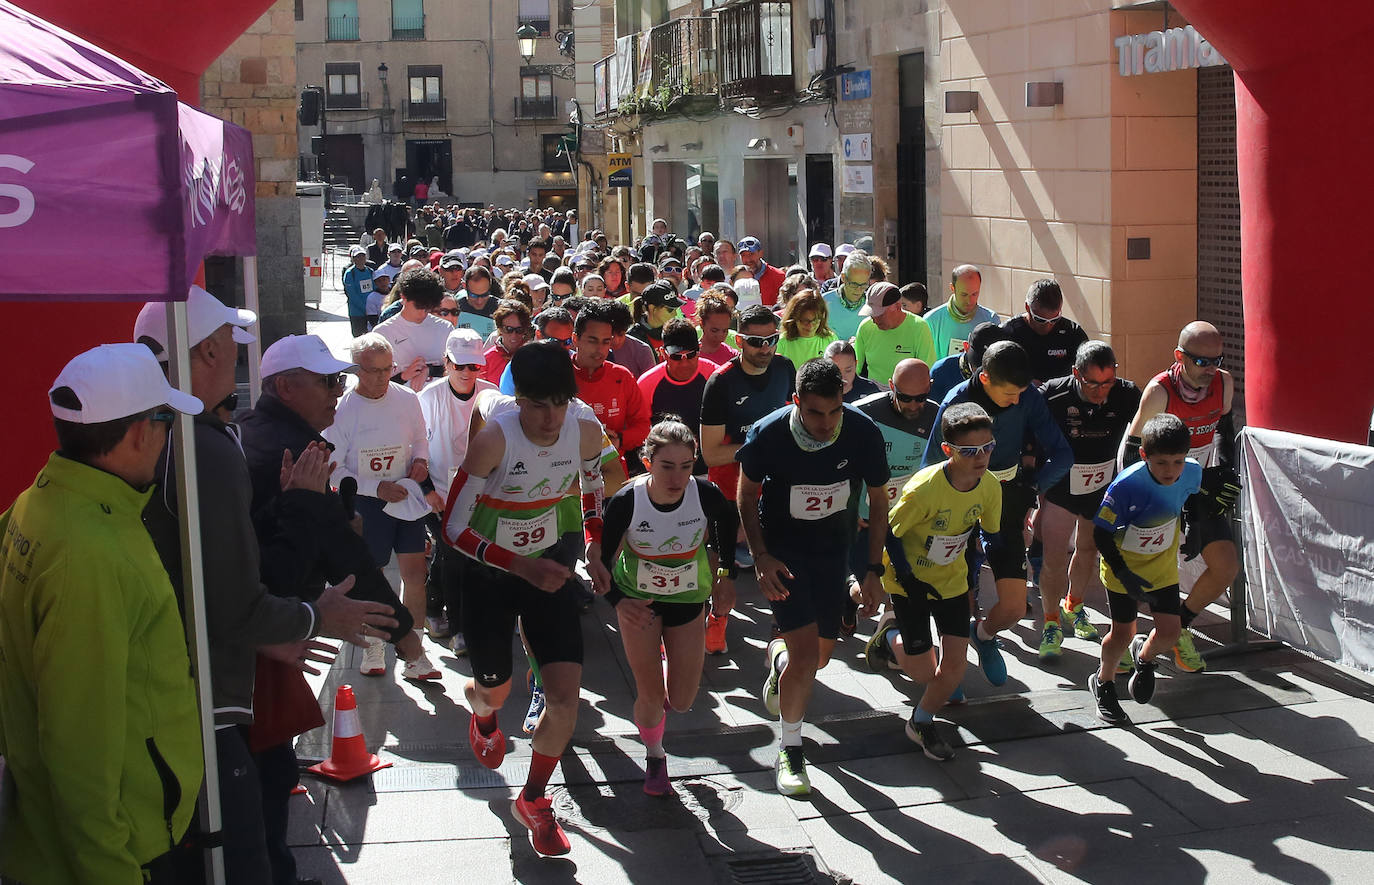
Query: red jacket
x: 615, y: 397
x: 770, y: 283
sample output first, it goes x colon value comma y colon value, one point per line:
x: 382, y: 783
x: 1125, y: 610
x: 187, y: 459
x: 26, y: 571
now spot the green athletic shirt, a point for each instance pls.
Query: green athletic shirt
x: 882, y: 349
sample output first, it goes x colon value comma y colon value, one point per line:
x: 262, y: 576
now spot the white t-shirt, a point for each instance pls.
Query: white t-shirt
x: 377, y: 439
x: 447, y: 419
x: 409, y: 340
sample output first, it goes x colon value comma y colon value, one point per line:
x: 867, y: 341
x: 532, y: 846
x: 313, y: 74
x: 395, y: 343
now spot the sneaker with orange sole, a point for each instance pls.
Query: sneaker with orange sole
x: 715, y: 633
x: 546, y: 835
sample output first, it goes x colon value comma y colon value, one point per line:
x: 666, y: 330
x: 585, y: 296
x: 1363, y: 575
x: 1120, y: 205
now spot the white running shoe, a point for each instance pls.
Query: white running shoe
x: 374, y: 658
x: 458, y: 645
x: 420, y: 669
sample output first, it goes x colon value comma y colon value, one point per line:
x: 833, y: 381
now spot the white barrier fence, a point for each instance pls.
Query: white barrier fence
x: 1308, y: 517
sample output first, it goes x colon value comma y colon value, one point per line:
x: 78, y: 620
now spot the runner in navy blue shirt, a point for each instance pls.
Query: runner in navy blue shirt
x: 803, y: 470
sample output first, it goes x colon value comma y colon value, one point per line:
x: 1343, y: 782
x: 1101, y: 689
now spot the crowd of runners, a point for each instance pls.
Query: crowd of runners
x: 527, y: 423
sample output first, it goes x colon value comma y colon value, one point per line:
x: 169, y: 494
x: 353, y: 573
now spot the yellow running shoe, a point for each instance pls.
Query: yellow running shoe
x: 1186, y: 656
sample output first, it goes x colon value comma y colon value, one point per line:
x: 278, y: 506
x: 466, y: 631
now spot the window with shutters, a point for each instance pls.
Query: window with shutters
x: 343, y: 85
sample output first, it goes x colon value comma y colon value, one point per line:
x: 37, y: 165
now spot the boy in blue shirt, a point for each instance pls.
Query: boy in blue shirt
x: 357, y: 286
x: 1137, y: 532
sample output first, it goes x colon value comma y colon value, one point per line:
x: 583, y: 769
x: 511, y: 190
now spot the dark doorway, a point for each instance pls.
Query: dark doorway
x: 557, y: 198
x: 820, y: 199
x: 428, y: 157
x: 343, y: 161
x: 911, y: 170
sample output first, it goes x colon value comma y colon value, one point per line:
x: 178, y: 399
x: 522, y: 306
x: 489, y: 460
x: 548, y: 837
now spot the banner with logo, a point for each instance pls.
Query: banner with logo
x: 1308, y: 515
x: 110, y: 189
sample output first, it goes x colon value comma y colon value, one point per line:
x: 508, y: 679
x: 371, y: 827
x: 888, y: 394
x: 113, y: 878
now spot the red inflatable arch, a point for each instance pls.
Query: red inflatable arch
x: 1305, y: 140
x: 174, y: 41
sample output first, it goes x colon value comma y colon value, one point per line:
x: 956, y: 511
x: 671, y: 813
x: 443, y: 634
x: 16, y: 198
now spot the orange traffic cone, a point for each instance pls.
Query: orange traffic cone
x: 349, y: 757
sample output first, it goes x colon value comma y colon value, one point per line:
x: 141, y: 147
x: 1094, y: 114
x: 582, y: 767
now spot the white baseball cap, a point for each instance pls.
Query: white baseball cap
x: 821, y: 249
x: 204, y: 314
x: 844, y: 249
x: 465, y: 347
x: 354, y: 251
x: 384, y: 271
x: 535, y: 281
x: 302, y: 352
x: 115, y: 381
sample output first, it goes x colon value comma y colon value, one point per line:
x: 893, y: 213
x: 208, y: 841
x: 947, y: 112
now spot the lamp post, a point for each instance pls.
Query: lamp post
x: 527, y: 37
x: 386, y: 122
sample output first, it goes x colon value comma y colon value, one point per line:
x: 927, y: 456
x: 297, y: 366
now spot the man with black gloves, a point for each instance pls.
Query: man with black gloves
x: 242, y: 616
x: 1003, y: 389
x: 1197, y: 390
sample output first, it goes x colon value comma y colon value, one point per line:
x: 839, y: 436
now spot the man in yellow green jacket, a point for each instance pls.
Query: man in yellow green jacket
x: 98, y: 718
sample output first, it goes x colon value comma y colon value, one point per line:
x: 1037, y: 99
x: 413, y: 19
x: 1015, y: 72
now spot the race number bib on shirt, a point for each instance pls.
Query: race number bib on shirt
x: 528, y: 536
x: 364, y: 286
x: 1087, y: 478
x: 1155, y: 539
x: 817, y: 502
x: 382, y: 462
x: 956, y: 346
x: 894, y: 487
x: 666, y: 580
x: 944, y: 549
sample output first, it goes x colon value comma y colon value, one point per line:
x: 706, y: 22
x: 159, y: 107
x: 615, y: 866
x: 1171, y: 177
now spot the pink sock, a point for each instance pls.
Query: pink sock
x: 653, y: 737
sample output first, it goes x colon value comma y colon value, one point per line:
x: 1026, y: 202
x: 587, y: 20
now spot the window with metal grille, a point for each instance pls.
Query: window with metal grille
x: 407, y: 19
x: 426, y: 92
x: 343, y: 85
x: 1218, y: 221
x: 535, y: 13
x: 342, y: 20
x: 755, y: 39
x: 536, y: 100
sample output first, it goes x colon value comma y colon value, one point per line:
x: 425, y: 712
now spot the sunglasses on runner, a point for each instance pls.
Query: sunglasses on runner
x: 683, y: 355
x: 1044, y: 321
x: 447, y: 312
x: 911, y: 397
x: 761, y: 340
x: 974, y: 451
x: 1203, y: 362
x: 514, y: 330
x: 469, y: 367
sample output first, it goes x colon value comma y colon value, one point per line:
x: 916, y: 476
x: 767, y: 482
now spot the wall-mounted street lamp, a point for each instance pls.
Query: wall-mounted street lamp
x: 527, y: 37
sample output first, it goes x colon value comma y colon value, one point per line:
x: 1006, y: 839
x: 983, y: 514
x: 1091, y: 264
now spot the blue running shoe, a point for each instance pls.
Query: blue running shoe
x: 536, y: 710
x: 989, y: 656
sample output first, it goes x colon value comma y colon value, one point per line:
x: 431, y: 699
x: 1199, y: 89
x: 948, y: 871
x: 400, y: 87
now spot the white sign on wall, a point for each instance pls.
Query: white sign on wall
x: 858, y: 147
x: 1176, y: 49
x: 858, y: 179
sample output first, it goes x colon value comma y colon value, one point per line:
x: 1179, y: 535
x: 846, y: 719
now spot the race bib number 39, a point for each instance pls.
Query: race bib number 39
x: 528, y: 536
x: 666, y: 580
x: 1155, y: 539
x: 382, y: 462
x: 1085, y: 479
x: 817, y: 502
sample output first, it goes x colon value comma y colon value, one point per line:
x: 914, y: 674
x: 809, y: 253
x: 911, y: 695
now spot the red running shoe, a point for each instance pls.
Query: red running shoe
x: 546, y: 835
x: 490, y: 749
x: 656, y: 780
x: 715, y: 634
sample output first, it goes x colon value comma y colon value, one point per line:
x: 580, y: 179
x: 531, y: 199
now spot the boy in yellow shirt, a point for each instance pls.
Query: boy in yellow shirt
x: 927, y: 574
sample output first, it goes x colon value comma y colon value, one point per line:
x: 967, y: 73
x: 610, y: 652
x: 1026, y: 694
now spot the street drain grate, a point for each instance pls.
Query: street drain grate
x: 791, y: 869
x: 628, y: 809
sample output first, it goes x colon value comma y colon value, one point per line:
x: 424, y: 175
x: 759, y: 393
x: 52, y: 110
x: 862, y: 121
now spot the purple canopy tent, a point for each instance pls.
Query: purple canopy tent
x: 106, y: 178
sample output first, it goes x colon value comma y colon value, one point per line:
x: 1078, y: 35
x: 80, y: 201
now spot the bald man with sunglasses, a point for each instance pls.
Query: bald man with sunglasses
x: 1200, y: 392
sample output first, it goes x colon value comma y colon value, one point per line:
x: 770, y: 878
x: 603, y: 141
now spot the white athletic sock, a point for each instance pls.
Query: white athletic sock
x: 791, y: 732
x: 983, y: 633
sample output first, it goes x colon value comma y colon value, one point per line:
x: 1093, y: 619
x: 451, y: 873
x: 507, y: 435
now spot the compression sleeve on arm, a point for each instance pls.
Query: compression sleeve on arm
x: 1105, y: 540
x: 1226, y: 440
x: 723, y: 523
x: 896, y: 553
x: 593, y: 498
x: 619, y: 512
x: 458, y: 533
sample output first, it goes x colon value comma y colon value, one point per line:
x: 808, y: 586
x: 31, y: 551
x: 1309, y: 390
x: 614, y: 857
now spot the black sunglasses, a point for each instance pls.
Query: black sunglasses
x: 760, y: 340
x: 448, y: 312
x: 332, y: 380
x: 1203, y: 362
x: 911, y: 397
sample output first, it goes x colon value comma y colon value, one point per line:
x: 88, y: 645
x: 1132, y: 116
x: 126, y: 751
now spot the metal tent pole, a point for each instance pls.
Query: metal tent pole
x: 193, y: 584
x: 250, y: 297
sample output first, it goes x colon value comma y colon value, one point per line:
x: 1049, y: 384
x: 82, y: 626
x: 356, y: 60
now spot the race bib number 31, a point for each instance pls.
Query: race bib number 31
x: 1155, y: 539
x: 666, y: 580
x: 528, y: 536
x: 1085, y: 479
x: 817, y: 502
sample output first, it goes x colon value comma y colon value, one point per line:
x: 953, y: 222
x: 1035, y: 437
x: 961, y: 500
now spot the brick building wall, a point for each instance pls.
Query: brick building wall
x: 253, y: 84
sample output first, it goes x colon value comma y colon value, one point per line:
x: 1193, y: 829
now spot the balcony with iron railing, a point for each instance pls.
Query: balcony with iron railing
x: 345, y: 101
x: 535, y: 108
x: 424, y: 110
x: 342, y: 27
x: 407, y: 27
x: 755, y: 42
x: 684, y: 57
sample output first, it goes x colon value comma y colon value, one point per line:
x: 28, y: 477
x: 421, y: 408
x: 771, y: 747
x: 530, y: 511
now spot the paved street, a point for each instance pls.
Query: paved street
x: 1257, y: 770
